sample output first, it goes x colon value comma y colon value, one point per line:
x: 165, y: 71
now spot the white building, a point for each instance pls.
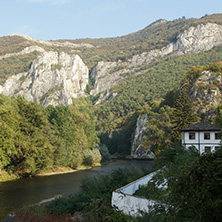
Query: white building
x: 203, y: 136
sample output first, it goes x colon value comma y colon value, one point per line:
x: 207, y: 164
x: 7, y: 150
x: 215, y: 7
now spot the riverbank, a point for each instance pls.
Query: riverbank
x: 65, y: 170
x: 31, y: 191
x: 4, y: 176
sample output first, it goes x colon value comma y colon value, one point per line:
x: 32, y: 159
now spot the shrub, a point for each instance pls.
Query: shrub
x: 104, y: 152
x: 31, y: 215
x: 91, y: 157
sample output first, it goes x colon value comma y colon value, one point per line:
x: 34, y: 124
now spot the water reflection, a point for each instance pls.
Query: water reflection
x: 29, y: 191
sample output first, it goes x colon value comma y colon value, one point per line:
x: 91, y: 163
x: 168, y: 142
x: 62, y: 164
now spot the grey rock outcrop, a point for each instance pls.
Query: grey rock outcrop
x: 137, y: 151
x: 195, y: 39
x: 206, y: 93
x: 105, y: 75
x: 56, y: 43
x: 52, y: 80
x: 199, y: 38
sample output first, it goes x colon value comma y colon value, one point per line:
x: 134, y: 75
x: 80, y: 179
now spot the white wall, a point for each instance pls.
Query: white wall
x: 131, y: 205
x: 123, y: 200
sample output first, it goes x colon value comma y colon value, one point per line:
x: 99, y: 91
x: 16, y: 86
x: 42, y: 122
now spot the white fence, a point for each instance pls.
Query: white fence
x: 123, y: 198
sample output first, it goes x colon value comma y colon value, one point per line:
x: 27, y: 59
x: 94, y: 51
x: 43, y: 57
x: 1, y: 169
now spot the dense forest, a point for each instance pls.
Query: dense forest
x: 34, y: 138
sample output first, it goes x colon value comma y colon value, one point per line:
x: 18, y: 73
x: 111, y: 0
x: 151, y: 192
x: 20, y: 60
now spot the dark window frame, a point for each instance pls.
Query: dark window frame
x: 192, y: 136
x: 206, y: 136
x: 216, y: 136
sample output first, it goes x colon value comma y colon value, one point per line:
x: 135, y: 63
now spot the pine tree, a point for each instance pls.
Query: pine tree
x: 183, y: 114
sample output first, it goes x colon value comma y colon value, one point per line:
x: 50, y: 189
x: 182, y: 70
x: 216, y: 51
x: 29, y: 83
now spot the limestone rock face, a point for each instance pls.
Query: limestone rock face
x: 206, y: 93
x: 200, y: 38
x: 52, y: 79
x: 137, y: 151
x: 105, y: 75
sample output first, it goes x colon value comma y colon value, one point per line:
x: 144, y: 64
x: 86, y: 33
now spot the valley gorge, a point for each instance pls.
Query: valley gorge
x: 61, y: 73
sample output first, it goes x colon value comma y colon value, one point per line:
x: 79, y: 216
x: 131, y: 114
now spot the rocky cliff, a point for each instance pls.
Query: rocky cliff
x: 195, y: 39
x: 206, y: 93
x: 54, y: 78
x: 137, y: 151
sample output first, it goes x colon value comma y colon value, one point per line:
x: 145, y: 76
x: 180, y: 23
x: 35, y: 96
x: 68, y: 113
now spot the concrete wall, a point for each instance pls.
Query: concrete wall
x: 123, y: 199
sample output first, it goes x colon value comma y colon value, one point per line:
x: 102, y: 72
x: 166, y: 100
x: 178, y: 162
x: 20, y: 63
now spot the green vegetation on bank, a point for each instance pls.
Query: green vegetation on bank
x: 33, y: 138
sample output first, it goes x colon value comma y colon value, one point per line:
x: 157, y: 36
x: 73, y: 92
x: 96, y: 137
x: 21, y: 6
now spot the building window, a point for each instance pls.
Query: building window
x: 207, y: 136
x: 216, y: 136
x: 191, y: 136
x: 207, y: 149
x: 217, y: 148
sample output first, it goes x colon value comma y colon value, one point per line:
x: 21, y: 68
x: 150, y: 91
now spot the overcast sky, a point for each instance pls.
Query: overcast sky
x: 72, y: 19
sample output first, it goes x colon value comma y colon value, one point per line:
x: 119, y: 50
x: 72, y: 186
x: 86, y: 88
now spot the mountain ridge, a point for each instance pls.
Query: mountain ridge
x: 164, y: 38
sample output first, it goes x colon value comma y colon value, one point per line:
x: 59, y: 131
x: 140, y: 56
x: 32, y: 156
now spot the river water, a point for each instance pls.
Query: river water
x: 30, y: 191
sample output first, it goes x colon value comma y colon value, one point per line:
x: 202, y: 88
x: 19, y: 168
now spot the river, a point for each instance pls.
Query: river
x: 30, y: 191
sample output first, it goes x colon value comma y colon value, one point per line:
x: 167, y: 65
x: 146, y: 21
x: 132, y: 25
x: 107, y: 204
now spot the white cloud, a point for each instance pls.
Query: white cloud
x: 53, y: 2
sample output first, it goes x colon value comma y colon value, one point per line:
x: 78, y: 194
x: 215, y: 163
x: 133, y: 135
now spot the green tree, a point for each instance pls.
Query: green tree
x: 74, y: 133
x: 158, y: 129
x: 24, y: 143
x: 196, y: 192
x: 9, y: 130
x: 35, y: 150
x: 183, y: 114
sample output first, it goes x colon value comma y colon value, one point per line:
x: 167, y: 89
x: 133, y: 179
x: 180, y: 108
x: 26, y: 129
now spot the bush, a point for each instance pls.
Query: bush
x: 61, y: 206
x: 197, y: 191
x: 31, y: 215
x: 75, y: 160
x: 91, y: 157
x: 104, y: 152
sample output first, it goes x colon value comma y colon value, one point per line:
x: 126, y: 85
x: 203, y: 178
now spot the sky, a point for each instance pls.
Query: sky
x: 74, y: 19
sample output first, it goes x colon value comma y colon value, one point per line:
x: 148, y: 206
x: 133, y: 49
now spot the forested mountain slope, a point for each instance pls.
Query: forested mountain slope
x: 154, y: 36
x: 124, y: 72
